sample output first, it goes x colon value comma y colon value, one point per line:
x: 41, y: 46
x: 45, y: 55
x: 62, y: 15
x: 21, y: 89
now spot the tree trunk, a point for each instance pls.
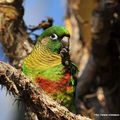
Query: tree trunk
x: 78, y: 23
x: 105, y: 36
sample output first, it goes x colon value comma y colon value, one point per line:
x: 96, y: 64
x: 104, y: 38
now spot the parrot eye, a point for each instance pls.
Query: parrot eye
x: 53, y: 36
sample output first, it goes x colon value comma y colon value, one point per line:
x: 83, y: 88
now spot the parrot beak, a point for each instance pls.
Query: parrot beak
x: 65, y: 45
x: 65, y: 42
x: 64, y: 52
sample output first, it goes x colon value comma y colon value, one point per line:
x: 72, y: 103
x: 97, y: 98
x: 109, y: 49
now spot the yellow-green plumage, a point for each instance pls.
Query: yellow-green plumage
x: 40, y: 60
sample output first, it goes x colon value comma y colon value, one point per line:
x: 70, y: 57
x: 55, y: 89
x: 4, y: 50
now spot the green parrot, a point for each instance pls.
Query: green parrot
x: 49, y: 66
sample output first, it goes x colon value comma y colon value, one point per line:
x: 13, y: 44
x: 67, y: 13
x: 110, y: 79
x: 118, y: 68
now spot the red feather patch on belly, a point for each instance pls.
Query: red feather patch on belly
x: 54, y: 86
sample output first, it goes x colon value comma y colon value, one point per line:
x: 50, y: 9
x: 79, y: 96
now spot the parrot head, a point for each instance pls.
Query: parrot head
x: 55, y: 38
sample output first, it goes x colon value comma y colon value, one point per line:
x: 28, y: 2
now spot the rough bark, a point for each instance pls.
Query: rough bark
x: 34, y: 98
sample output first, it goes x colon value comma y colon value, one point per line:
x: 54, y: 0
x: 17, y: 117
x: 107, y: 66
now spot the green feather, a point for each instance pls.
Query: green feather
x: 54, y: 73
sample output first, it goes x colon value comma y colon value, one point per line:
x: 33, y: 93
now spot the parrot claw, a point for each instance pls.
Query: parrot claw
x: 65, y: 56
x: 64, y: 51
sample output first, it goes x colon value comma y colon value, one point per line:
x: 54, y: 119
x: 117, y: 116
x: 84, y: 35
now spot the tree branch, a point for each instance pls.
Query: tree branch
x: 40, y: 103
